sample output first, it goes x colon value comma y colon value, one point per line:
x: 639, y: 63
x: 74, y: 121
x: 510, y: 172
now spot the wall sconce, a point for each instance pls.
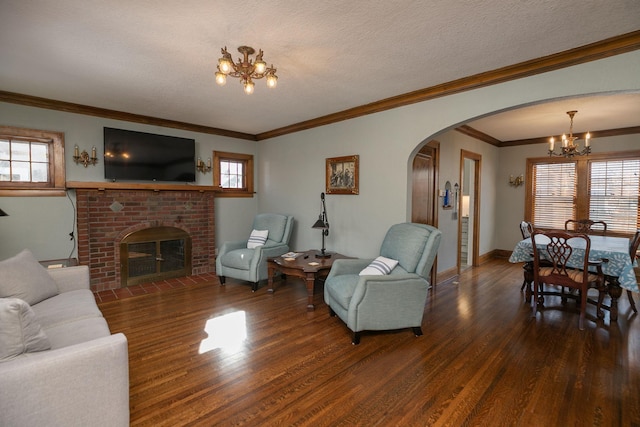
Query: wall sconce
x: 202, y: 166
x: 84, y: 158
x: 516, y: 181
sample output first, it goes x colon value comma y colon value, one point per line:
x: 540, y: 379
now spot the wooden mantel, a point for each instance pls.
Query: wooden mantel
x: 101, y: 186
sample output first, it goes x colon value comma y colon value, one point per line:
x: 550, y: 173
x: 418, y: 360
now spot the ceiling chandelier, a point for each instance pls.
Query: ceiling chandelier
x: 569, y: 148
x: 245, y: 69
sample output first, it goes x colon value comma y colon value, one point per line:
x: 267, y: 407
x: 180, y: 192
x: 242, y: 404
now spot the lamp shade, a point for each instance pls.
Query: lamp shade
x: 320, y: 224
x: 3, y: 213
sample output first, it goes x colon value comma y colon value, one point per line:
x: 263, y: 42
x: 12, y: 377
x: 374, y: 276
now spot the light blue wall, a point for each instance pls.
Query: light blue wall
x: 290, y: 169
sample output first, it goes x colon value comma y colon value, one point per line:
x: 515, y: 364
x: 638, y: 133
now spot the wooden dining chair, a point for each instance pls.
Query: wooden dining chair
x: 633, y: 253
x: 558, y: 251
x: 586, y: 226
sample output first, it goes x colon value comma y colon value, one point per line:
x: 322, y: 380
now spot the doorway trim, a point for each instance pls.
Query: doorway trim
x: 477, y: 159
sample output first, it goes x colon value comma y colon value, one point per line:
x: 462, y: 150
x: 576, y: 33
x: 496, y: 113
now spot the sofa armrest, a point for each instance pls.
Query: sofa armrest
x: 81, y: 385
x: 71, y: 278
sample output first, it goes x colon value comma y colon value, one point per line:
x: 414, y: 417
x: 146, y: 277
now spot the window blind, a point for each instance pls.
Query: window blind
x: 554, y: 194
x: 614, y: 186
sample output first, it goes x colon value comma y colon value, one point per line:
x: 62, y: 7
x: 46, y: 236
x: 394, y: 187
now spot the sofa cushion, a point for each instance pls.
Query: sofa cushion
x: 23, y: 277
x: 71, y: 333
x: 380, y: 266
x: 66, y: 307
x: 240, y: 259
x: 20, y: 332
x: 257, y: 238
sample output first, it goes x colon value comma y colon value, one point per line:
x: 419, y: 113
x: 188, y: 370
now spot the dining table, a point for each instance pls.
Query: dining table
x: 617, y: 265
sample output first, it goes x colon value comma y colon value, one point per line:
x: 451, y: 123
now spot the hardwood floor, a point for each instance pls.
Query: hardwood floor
x: 483, y: 360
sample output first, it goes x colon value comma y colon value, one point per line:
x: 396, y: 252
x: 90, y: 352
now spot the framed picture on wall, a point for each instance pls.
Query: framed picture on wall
x: 342, y: 175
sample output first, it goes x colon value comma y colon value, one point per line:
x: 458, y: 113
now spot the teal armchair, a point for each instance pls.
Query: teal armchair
x: 385, y: 302
x: 250, y: 264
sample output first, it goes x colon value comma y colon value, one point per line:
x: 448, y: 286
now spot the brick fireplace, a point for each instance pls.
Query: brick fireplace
x: 106, y: 217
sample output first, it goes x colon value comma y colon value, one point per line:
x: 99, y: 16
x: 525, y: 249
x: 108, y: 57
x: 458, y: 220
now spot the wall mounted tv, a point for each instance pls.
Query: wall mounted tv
x: 131, y: 156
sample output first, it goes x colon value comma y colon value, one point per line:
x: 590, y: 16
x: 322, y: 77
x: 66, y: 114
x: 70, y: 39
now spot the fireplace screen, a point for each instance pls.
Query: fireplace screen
x: 155, y: 254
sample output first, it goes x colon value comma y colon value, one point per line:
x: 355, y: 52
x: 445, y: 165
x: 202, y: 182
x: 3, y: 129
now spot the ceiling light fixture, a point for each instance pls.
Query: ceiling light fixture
x: 569, y: 147
x: 245, y: 69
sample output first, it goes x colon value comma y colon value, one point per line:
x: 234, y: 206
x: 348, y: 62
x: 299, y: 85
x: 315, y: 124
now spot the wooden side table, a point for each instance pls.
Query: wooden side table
x: 305, y: 266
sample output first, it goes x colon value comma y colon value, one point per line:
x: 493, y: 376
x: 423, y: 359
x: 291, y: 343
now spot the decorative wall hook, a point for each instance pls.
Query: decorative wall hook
x: 516, y: 181
x: 84, y: 158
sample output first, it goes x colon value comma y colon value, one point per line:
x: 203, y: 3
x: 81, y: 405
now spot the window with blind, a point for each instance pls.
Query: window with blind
x: 604, y: 187
x: 614, y: 186
x: 554, y: 194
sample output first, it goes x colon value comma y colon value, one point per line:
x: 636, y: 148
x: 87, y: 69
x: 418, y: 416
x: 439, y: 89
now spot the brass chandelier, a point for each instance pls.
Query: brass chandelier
x: 245, y: 69
x: 568, y: 147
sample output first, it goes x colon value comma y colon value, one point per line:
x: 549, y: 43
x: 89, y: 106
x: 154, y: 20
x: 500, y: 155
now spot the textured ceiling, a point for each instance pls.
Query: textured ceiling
x: 158, y: 58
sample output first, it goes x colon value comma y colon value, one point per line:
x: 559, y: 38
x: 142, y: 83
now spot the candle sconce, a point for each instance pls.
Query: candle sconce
x: 83, y: 157
x: 516, y: 181
x: 202, y: 166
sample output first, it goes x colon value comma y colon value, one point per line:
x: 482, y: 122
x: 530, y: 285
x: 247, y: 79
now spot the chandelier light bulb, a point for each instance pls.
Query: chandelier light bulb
x: 272, y: 80
x: 221, y: 78
x: 260, y: 67
x: 224, y: 65
x: 248, y: 87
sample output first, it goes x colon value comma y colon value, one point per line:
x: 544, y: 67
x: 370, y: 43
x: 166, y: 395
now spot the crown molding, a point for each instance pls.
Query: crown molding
x: 69, y: 107
x: 591, y: 52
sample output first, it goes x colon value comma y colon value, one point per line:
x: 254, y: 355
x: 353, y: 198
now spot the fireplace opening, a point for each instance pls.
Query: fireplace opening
x: 154, y: 254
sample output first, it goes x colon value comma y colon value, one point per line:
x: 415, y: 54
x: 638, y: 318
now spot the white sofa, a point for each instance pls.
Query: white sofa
x: 59, y: 363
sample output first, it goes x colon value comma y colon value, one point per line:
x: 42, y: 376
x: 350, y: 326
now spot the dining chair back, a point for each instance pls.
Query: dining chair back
x: 526, y: 228
x: 633, y: 253
x: 586, y: 226
x: 557, y: 247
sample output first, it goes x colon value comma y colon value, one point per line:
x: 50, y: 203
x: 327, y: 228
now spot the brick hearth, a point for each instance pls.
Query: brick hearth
x: 106, y: 216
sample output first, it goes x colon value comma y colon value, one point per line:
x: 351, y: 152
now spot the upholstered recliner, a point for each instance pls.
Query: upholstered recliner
x: 384, y: 302
x: 236, y: 260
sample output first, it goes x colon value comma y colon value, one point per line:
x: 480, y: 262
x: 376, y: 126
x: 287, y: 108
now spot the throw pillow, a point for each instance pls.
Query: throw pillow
x: 379, y: 267
x: 19, y: 330
x: 257, y: 238
x: 23, y: 277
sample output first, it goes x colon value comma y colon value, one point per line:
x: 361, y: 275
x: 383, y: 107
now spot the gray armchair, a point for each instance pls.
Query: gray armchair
x: 384, y: 302
x: 237, y: 261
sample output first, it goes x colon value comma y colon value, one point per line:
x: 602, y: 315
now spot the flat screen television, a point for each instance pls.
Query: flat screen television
x: 140, y: 156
